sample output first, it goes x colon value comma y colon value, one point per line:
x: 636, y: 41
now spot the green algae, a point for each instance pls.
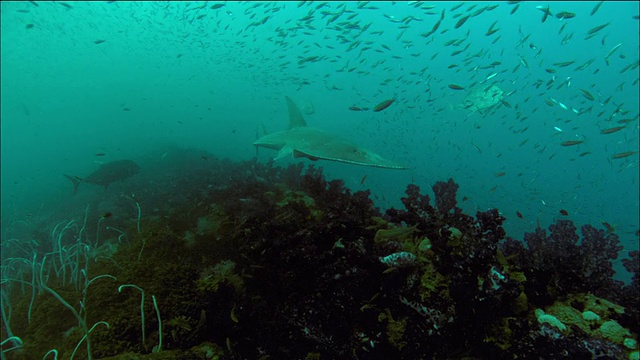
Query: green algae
x: 395, y: 329
x: 222, y: 273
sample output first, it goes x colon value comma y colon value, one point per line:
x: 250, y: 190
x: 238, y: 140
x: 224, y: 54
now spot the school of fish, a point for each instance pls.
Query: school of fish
x: 426, y: 59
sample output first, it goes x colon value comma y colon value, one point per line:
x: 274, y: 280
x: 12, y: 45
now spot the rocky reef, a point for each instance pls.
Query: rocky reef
x: 253, y: 261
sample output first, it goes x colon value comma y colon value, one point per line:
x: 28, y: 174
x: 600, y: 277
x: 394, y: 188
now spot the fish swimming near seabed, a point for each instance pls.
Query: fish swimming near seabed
x: 107, y: 174
x: 299, y: 140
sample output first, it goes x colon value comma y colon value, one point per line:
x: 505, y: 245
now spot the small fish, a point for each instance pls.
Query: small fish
x: 587, y: 95
x: 629, y: 66
x: 100, y: 154
x: 491, y: 76
x: 565, y: 15
x: 595, y: 8
x: 435, y: 27
x: 461, y: 21
x: 355, y: 108
x: 519, y: 214
x: 465, y: 198
x: 597, y: 28
x: 99, y: 41
x: 456, y: 7
x: 499, y: 174
x: 383, y: 105
x: 611, y: 130
x: 563, y: 64
x: 457, y: 52
x: 623, y: 154
x: 491, y: 32
x: 524, y: 62
x: 29, y: 26
x: 562, y: 28
x: 515, y: 8
x: 65, y: 5
x: 606, y: 58
x: 571, y: 142
x: 216, y: 6
x: 491, y: 28
x: 106, y: 215
x: 546, y: 12
x: 456, y: 87
x: 483, y: 9
x: 585, y: 65
x: 566, y: 39
x: 564, y: 212
x: 610, y: 229
x: 363, y: 179
x: 505, y: 103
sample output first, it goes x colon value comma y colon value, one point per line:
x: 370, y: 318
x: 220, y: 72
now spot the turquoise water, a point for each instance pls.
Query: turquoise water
x: 184, y: 74
x: 84, y: 84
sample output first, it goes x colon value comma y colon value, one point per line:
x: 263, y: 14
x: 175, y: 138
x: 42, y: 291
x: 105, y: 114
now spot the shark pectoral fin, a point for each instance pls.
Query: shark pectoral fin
x: 284, y: 152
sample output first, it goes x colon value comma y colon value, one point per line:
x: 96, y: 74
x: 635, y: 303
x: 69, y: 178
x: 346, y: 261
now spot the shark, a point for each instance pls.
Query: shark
x: 300, y: 140
x: 107, y: 174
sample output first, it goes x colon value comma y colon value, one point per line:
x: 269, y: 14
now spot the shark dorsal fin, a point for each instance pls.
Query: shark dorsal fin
x: 295, y: 116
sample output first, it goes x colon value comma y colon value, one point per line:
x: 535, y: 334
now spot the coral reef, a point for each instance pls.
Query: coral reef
x: 253, y: 261
x: 570, y: 265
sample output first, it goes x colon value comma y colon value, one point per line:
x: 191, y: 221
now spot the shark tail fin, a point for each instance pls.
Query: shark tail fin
x: 76, y: 182
x: 295, y: 116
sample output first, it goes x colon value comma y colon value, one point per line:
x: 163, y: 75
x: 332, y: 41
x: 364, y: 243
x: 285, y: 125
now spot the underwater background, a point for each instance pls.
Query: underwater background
x: 250, y: 258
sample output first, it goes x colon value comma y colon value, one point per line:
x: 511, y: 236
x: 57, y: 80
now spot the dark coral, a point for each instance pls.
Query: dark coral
x: 598, y: 249
x: 630, y: 294
x: 445, y: 193
x: 281, y: 263
x: 559, y: 263
x: 466, y: 262
x: 417, y: 206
